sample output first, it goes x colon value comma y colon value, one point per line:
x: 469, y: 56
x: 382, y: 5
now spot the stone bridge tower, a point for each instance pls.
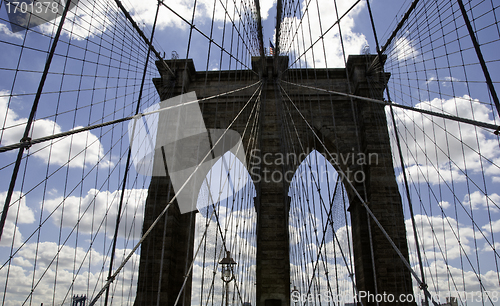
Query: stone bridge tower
x: 342, y: 129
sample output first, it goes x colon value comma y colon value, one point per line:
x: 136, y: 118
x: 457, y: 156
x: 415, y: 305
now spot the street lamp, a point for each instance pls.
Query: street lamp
x: 227, y: 272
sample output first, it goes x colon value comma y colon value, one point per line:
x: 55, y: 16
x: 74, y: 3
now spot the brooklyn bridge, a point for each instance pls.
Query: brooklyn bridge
x: 303, y: 152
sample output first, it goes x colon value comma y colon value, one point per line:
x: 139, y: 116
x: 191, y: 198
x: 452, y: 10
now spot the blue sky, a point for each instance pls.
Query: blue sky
x: 443, y: 76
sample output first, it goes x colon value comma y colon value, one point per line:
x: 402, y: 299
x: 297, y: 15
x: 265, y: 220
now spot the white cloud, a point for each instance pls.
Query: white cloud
x: 240, y: 240
x: 430, y: 80
x: 83, y: 267
x: 445, y: 280
x: 67, y: 282
x: 46, y: 251
x: 79, y: 150
x: 5, y: 30
x: 479, y: 200
x: 98, y: 207
x: 404, y: 49
x: 438, y: 236
x: 424, y: 174
x: 444, y: 204
x: 432, y: 142
x: 353, y: 41
x: 82, y: 22
x: 337, y: 285
x: 265, y: 6
x: 443, y: 274
x: 495, y: 226
x: 207, y: 274
x: 448, y: 80
x: 487, y: 247
x: 19, y: 213
x: 144, y: 11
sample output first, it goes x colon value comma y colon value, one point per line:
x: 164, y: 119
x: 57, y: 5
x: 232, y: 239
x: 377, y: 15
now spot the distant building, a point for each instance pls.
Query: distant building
x: 450, y: 301
x: 79, y: 300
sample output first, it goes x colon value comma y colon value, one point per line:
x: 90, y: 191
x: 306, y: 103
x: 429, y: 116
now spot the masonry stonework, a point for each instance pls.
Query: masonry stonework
x: 344, y: 126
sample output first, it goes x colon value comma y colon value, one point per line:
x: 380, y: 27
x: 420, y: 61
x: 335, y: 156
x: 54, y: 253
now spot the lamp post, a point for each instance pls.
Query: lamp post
x: 227, y: 272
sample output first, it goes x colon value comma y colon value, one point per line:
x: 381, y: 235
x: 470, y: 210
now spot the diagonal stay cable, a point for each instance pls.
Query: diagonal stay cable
x: 475, y: 225
x: 234, y: 25
x: 351, y: 274
x: 91, y: 127
x: 206, y: 36
x: 494, y: 127
x: 146, y: 40
x: 363, y: 202
x: 399, y: 26
x: 214, y: 211
x: 111, y: 279
x: 323, y: 35
x: 31, y: 117
x: 64, y: 243
x: 377, y: 222
x: 129, y: 156
x: 59, y: 250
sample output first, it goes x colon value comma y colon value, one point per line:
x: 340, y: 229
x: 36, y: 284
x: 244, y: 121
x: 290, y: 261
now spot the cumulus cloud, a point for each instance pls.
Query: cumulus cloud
x: 441, y: 250
x: 205, y: 275
x: 448, y: 281
x: 333, y: 284
x: 5, y: 30
x: 315, y: 57
x: 81, y: 20
x: 57, y: 276
x: 265, y: 6
x: 444, y: 204
x: 479, y: 200
x: 78, y: 266
x: 438, y: 150
x: 19, y: 213
x: 493, y: 227
x: 438, y: 236
x: 404, y: 49
x: 431, y: 174
x: 99, y: 209
x: 239, y: 238
x: 83, y: 149
x: 446, y: 81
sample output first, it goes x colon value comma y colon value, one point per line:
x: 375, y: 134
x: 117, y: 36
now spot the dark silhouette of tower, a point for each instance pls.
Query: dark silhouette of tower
x: 344, y: 126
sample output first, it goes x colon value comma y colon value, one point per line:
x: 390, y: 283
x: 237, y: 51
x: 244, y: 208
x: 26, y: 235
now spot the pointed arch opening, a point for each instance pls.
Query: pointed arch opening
x: 321, y: 261
x: 226, y: 222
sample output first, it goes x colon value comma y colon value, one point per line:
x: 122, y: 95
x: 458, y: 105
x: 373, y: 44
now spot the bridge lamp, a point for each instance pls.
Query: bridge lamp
x: 227, y: 272
x: 227, y: 268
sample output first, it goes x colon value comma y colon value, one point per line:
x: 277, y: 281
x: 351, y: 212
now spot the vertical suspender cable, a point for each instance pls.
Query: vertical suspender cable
x: 127, y: 164
x: 188, y: 46
x: 278, y: 34
x: 260, y: 37
x: 479, y: 56
x: 401, y: 160
x: 354, y: 117
x: 26, y: 138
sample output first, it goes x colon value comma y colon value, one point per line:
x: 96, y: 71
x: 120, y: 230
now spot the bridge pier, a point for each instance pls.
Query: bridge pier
x: 273, y: 259
x: 378, y: 268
